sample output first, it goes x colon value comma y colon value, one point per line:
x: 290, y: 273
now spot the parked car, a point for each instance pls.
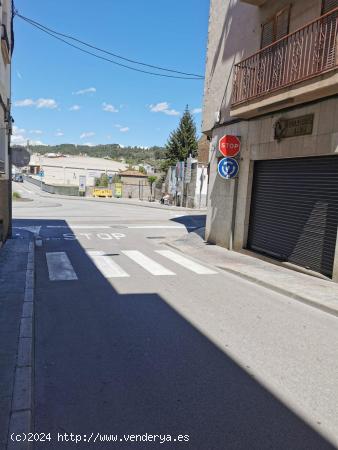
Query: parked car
x: 18, y: 178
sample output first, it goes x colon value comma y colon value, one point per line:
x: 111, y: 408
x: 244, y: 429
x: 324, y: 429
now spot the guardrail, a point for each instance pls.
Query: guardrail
x: 303, y: 54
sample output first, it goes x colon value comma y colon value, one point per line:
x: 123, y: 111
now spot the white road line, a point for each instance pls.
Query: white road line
x: 147, y: 263
x: 108, y: 267
x: 59, y: 267
x: 33, y: 229
x: 185, y: 262
x: 81, y: 227
x: 27, y: 190
x: 135, y: 227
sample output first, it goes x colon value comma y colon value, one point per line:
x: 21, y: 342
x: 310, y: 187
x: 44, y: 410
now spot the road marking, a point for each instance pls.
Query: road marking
x: 135, y: 227
x: 147, y: 263
x: 185, y: 262
x: 81, y: 227
x: 108, y: 267
x: 27, y: 190
x: 32, y: 229
x: 59, y: 267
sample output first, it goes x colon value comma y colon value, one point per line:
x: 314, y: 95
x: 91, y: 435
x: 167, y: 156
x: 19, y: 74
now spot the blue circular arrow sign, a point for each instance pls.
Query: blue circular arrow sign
x: 228, y: 168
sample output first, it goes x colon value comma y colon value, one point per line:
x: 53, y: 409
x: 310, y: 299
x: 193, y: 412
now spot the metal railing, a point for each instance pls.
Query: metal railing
x: 303, y: 54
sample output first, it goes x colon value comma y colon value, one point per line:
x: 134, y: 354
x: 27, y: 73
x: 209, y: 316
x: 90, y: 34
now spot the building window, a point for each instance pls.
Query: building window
x: 276, y: 28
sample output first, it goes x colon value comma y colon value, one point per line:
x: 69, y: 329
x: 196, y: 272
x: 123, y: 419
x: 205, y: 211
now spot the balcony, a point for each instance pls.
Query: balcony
x: 5, y: 47
x: 297, y: 68
x: 254, y: 2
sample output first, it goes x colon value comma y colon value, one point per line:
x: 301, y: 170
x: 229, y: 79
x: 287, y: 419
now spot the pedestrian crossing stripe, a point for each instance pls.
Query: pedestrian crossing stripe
x: 147, y: 263
x: 60, y: 267
x: 105, y: 264
x: 186, y: 262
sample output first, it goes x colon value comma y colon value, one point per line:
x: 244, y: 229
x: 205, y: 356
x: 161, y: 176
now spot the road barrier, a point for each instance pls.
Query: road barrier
x: 102, y: 192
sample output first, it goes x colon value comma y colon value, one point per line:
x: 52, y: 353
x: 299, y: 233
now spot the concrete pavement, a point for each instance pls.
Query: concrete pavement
x: 16, y: 277
x: 310, y: 289
x: 131, y: 339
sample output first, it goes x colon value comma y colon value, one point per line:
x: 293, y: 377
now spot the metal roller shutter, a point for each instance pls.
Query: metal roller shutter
x: 294, y: 211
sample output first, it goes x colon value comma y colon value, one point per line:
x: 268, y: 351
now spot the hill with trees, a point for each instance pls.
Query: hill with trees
x: 131, y: 155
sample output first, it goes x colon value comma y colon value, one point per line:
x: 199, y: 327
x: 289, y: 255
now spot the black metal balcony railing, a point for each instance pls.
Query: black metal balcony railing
x: 303, y: 54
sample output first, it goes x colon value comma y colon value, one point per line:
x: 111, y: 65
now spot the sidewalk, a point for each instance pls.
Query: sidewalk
x: 16, y: 300
x: 317, y: 292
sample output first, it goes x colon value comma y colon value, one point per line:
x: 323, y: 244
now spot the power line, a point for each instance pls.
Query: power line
x: 56, y: 35
x: 106, y: 51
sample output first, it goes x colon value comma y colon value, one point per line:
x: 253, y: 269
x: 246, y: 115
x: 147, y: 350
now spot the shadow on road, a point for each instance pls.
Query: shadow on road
x: 130, y: 364
x: 191, y: 222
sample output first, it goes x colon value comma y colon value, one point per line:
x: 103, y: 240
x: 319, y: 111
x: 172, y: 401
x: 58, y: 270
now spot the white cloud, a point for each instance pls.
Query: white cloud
x: 59, y: 133
x: 109, y: 108
x: 48, y: 103
x: 35, y: 132
x: 121, y: 128
x: 26, y: 102
x: 74, y: 108
x: 90, y: 90
x: 17, y: 130
x: 196, y: 110
x: 19, y: 137
x: 163, y: 107
x: 87, y: 134
x: 89, y: 144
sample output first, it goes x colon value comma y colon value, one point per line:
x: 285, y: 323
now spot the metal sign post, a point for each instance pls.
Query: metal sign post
x: 82, y: 184
x: 228, y: 168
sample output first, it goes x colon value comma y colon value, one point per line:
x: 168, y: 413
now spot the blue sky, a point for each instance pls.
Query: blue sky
x: 61, y: 95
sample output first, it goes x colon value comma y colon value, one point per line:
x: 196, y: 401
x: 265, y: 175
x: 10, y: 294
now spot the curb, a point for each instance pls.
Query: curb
x: 279, y: 290
x: 325, y: 308
x: 22, y: 400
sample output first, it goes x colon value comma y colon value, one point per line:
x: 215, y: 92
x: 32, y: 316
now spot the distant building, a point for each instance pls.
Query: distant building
x: 134, y: 184
x: 7, y: 44
x: 148, y: 168
x: 272, y: 80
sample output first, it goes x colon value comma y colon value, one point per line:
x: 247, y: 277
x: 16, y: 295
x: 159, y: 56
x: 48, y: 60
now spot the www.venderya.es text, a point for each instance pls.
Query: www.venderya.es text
x: 98, y: 437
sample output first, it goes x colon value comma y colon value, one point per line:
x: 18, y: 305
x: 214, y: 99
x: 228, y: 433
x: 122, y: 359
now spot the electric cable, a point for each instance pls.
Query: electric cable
x: 56, y: 35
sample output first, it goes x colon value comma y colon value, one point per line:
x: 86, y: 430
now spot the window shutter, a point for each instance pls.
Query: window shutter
x: 282, y: 23
x: 268, y: 33
x: 328, y: 5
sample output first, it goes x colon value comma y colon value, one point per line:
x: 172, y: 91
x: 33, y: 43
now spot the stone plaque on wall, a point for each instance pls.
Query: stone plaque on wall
x: 297, y: 126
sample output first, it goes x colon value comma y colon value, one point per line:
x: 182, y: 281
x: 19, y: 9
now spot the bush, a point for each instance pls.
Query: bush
x: 16, y: 195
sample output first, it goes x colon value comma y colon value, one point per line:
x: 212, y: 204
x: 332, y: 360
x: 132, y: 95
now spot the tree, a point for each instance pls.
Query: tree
x: 141, y: 169
x: 182, y: 142
x: 103, y: 181
x: 151, y: 181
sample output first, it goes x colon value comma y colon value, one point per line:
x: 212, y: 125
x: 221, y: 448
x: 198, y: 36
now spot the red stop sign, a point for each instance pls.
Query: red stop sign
x: 229, y: 145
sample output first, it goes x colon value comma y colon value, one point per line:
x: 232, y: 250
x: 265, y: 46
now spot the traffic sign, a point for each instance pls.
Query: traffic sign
x: 229, y: 145
x: 228, y: 168
x: 82, y: 183
x: 42, y: 173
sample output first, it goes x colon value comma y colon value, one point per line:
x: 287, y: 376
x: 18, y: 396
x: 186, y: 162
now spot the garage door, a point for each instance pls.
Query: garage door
x: 294, y: 211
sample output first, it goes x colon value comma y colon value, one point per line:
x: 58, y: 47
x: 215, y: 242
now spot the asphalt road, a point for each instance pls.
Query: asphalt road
x: 131, y: 339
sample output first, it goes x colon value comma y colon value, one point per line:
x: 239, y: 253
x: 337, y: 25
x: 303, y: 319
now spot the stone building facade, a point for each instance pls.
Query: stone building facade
x: 272, y: 81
